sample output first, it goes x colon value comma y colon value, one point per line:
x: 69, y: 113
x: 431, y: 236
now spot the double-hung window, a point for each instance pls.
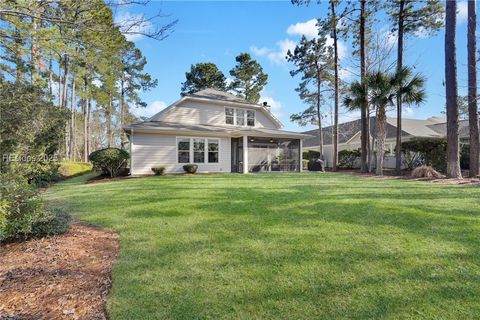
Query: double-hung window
x: 212, y: 150
x: 251, y: 118
x: 229, y: 115
x: 183, y: 150
x: 198, y: 150
x: 240, y: 117
x: 240, y: 114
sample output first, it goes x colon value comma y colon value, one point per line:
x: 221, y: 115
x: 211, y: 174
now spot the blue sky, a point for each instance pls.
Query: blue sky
x: 218, y: 31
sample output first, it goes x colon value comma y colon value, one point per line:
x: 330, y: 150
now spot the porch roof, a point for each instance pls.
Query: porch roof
x: 198, y: 129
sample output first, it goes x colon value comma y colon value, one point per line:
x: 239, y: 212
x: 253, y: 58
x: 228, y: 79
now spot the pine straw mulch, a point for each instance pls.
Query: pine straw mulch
x: 405, y: 175
x: 60, y: 277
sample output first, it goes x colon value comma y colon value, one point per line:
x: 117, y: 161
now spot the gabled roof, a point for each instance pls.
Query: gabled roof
x: 220, y: 97
x: 214, y: 94
x: 430, y: 128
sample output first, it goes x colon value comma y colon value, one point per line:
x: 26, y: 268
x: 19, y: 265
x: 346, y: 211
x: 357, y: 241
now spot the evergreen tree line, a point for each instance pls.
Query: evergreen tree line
x: 78, y: 57
x: 384, y: 82
x: 248, y: 78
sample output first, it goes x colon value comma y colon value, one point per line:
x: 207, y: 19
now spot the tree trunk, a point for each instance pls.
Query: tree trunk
x: 335, y: 57
x: 453, y: 158
x: 472, y: 90
x: 109, y: 123
x: 371, y: 145
x: 64, y: 104
x: 363, y: 73
x: 381, y: 132
x: 84, y: 109
x: 50, y: 77
x: 122, y: 111
x: 319, y: 116
x: 72, y: 120
x: 398, y: 150
x: 34, y: 51
x: 89, y: 142
x: 65, y: 81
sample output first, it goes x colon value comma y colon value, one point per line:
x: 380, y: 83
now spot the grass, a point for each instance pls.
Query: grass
x: 71, y: 169
x: 286, y: 246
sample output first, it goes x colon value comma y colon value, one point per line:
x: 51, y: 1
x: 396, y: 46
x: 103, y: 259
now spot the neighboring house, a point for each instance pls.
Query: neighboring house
x: 349, y: 135
x: 217, y: 131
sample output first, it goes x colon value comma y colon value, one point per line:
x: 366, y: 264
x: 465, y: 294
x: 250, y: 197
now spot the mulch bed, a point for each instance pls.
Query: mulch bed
x: 389, y: 174
x: 60, y: 277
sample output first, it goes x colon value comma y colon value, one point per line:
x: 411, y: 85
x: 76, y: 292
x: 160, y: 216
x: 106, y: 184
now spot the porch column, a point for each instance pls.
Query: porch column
x: 301, y: 155
x: 245, y: 154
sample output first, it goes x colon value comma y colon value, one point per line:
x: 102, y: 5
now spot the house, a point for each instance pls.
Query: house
x: 349, y: 135
x: 217, y: 131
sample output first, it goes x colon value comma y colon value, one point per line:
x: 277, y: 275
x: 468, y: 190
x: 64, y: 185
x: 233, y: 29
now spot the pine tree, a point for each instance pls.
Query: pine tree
x: 249, y: 78
x: 409, y: 18
x: 202, y: 76
x: 451, y: 86
x: 313, y: 62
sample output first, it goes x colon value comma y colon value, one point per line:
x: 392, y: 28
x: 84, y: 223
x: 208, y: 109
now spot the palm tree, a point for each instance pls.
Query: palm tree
x: 383, y: 90
x: 381, y: 96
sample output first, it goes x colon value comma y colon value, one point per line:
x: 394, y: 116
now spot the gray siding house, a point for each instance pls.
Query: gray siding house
x: 217, y: 131
x: 349, y: 135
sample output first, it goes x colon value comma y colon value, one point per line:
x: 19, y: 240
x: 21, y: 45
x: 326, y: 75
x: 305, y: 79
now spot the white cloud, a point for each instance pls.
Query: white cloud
x: 308, y: 29
x: 275, y: 105
x: 132, y: 25
x: 278, y: 56
x: 150, y: 110
x: 261, y: 52
x: 462, y: 12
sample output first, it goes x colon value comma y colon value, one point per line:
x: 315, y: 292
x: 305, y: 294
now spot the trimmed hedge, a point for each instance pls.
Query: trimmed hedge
x: 428, y: 151
x: 190, y: 168
x: 347, y: 158
x: 109, y: 161
x: 159, y: 171
x: 310, y: 154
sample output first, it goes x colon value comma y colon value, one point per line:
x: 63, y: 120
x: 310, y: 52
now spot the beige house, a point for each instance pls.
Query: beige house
x: 349, y: 135
x: 217, y: 131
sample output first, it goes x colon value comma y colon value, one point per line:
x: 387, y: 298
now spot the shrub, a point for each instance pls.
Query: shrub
x: 316, y: 165
x: 310, y: 154
x: 304, y: 164
x: 110, y: 161
x: 432, y: 151
x: 465, y: 157
x: 53, y: 221
x: 426, y: 172
x: 159, y: 171
x: 72, y: 169
x: 347, y: 158
x: 22, y: 212
x: 190, y: 168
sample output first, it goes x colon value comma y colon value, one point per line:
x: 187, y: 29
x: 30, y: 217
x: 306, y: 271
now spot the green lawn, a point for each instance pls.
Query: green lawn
x: 286, y: 246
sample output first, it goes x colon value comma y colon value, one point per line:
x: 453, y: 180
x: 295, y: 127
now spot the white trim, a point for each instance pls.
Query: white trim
x: 255, y: 107
x: 245, y: 154
x: 245, y: 118
x: 191, y: 152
